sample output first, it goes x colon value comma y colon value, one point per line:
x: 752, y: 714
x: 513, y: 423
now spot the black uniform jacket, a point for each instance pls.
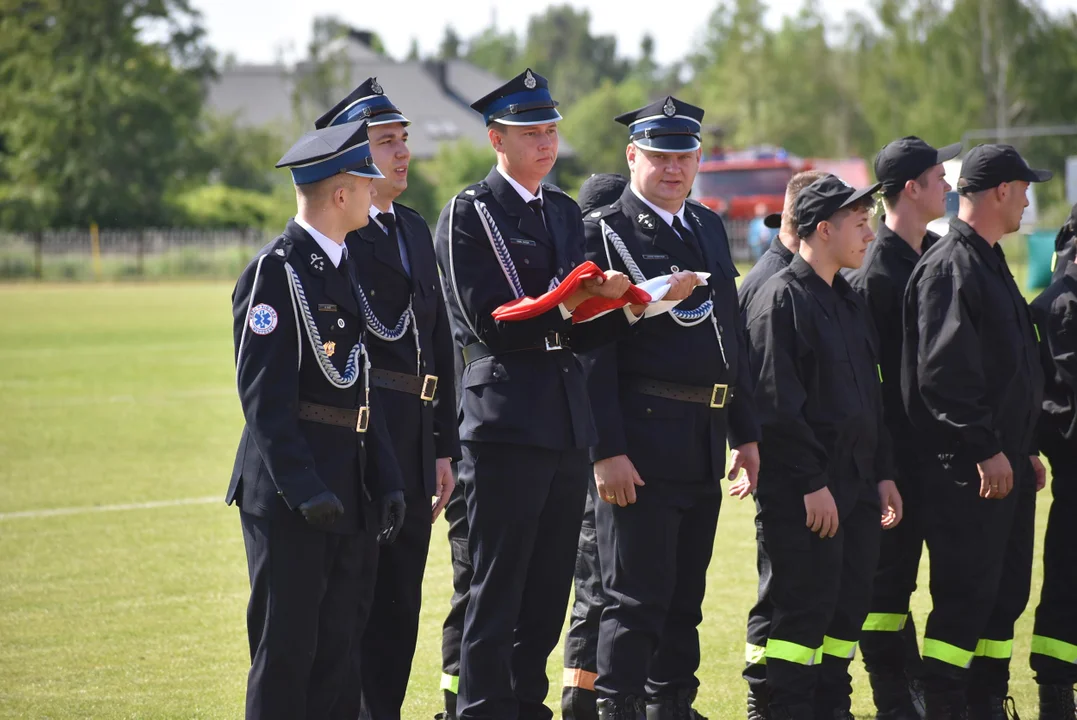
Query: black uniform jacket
x: 817, y: 389
x: 666, y: 439
x: 283, y: 461
x: 881, y: 281
x: 1055, y: 313
x: 522, y: 393
x: 773, y: 261
x: 413, y: 423
x: 970, y: 369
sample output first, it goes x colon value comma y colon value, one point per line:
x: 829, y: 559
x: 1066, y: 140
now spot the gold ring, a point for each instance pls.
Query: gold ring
x: 611, y: 497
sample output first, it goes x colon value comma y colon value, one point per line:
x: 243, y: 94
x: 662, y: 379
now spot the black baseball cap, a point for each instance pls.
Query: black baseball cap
x: 600, y: 189
x: 988, y: 166
x: 907, y: 159
x: 824, y: 197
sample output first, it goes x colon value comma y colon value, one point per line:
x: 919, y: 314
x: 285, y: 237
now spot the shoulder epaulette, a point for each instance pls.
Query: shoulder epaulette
x: 697, y: 205
x: 473, y: 191
x: 604, y: 211
x: 279, y: 249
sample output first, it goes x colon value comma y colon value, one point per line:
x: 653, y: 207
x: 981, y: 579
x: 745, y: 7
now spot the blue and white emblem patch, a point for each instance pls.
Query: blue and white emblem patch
x: 263, y: 319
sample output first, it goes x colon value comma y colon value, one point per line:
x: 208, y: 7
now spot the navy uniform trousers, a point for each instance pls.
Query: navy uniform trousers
x: 452, y: 630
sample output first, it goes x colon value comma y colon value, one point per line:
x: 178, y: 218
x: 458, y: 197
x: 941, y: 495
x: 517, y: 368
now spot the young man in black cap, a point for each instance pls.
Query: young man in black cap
x: 667, y: 399
x: 1054, y: 638
x: 315, y: 451
x: 525, y: 415
x: 973, y: 384
x: 914, y: 191
x: 825, y: 462
x: 411, y: 353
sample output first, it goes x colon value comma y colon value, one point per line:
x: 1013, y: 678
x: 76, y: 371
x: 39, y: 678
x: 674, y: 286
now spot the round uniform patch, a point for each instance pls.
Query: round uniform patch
x: 263, y: 319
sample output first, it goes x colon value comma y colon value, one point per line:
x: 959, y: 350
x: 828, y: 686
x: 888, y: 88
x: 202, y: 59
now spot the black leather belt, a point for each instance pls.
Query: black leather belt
x: 552, y: 341
x: 355, y: 419
x: 425, y: 386
x: 715, y: 396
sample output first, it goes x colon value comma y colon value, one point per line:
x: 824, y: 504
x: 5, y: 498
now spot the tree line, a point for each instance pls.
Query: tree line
x: 103, y: 116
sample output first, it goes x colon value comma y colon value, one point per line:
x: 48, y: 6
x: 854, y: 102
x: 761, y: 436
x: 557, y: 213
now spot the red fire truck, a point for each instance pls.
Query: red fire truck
x: 734, y: 183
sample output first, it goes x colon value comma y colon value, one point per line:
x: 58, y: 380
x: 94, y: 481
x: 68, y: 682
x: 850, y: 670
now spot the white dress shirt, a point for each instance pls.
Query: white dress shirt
x: 333, y: 250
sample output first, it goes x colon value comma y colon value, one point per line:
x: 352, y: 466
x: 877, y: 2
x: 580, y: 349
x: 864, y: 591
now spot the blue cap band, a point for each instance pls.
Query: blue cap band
x: 365, y: 108
x: 356, y: 158
x: 527, y: 97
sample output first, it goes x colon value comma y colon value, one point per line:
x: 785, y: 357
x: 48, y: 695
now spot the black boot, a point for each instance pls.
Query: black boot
x: 1056, y: 702
x: 673, y: 706
x: 450, y: 707
x: 578, y: 704
x: 992, y: 707
x: 892, y: 698
x: 757, y: 703
x: 916, y: 694
x: 946, y: 705
x: 627, y: 708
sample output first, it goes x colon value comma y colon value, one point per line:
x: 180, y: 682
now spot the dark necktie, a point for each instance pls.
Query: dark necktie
x: 388, y: 221
x: 687, y: 236
x: 536, y: 207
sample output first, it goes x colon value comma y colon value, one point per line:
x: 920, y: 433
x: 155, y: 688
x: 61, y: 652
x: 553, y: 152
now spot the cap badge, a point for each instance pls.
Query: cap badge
x: 529, y: 81
x: 375, y: 87
x: 279, y: 251
x: 330, y: 348
x: 669, y: 108
x: 645, y: 220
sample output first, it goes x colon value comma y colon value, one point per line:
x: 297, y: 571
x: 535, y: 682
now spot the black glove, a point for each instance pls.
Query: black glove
x: 322, y: 510
x: 392, y: 516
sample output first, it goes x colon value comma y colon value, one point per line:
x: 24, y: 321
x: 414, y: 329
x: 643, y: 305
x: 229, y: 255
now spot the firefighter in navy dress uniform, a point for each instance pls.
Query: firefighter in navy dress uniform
x: 525, y: 415
x: 315, y: 475
x: 411, y: 354
x: 667, y: 399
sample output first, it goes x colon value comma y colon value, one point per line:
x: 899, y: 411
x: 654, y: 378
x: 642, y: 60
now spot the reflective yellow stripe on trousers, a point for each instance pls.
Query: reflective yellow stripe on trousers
x: 791, y: 652
x: 450, y: 683
x: 844, y: 649
x: 885, y: 622
x: 755, y: 654
x: 1057, y: 649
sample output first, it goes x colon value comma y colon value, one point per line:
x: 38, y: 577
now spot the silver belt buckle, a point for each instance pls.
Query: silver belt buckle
x: 556, y: 342
x: 362, y: 421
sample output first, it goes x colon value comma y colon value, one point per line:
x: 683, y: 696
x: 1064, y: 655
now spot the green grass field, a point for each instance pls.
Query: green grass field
x: 124, y: 395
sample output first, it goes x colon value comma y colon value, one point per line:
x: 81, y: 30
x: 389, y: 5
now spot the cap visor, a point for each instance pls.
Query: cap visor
x: 1038, y: 175
x: 386, y: 118
x: 948, y: 153
x: 367, y: 171
x: 773, y: 221
x: 863, y: 192
x: 669, y: 143
x: 540, y: 116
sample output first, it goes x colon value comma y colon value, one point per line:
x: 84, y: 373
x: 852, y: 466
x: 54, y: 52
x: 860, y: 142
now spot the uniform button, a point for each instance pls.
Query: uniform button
x: 572, y: 264
x: 280, y: 493
x: 649, y: 411
x: 560, y: 271
x: 564, y: 369
x: 372, y: 293
x: 527, y: 261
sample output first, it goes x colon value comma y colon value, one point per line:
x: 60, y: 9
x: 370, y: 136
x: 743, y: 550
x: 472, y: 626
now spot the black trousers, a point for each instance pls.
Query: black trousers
x: 888, y: 643
x: 654, y: 556
x: 755, y: 665
x: 981, y: 575
x: 820, y: 590
x: 305, y: 585
x: 1054, y: 638
x: 581, y: 641
x: 524, y: 506
x: 388, y: 620
x: 453, y: 628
